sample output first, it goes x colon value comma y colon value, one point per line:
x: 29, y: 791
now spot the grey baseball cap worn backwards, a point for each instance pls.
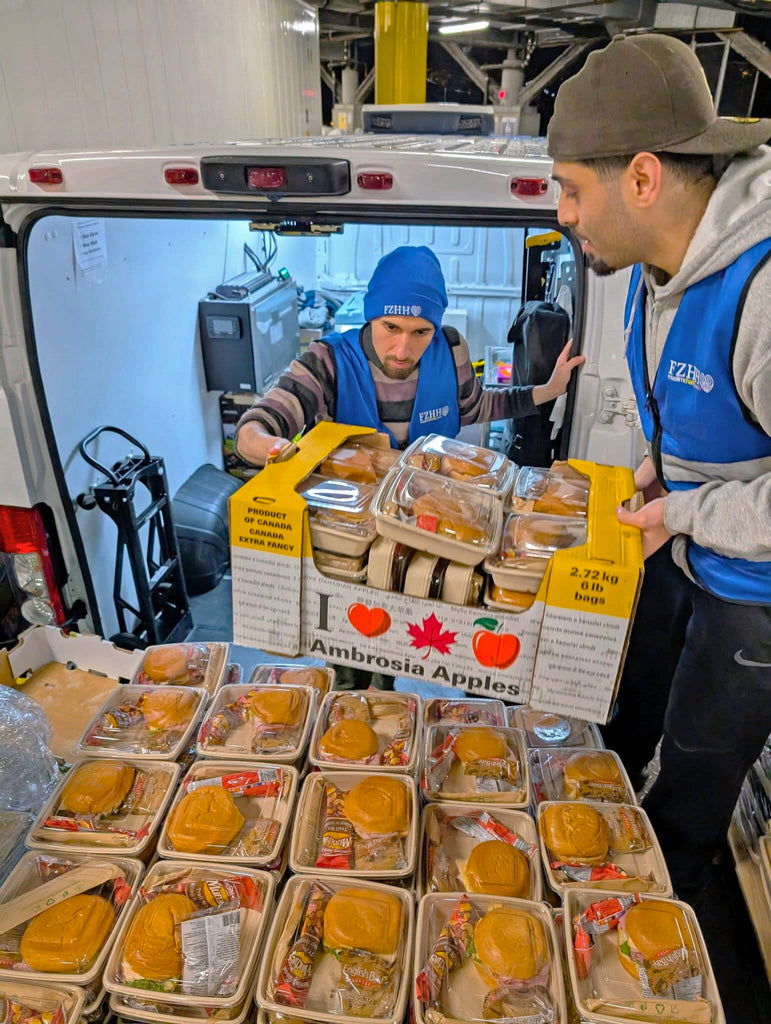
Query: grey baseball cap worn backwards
x: 644, y: 93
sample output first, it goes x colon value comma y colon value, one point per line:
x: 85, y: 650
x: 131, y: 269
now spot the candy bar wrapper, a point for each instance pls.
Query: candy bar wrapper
x: 256, y: 838
x: 484, y: 826
x: 217, y: 729
x: 696, y: 1011
x: 337, y: 835
x: 90, y: 823
x: 598, y: 918
x: 588, y: 872
x: 498, y: 768
x: 602, y: 789
x: 14, y: 1012
x: 294, y: 977
x: 260, y: 782
x: 627, y: 830
x: 124, y: 716
x: 216, y: 892
x: 143, y: 795
x: 455, y: 711
x: 450, y: 950
x: 397, y: 751
x: 440, y: 762
x: 366, y: 985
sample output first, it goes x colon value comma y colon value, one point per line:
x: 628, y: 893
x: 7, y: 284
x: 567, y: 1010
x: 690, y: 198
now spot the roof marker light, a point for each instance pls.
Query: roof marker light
x: 529, y: 186
x: 181, y: 176
x: 263, y: 178
x: 45, y: 175
x: 375, y: 180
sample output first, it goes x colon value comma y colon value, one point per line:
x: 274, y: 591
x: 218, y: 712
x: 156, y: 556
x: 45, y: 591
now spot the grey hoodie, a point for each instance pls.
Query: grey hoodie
x: 731, y: 511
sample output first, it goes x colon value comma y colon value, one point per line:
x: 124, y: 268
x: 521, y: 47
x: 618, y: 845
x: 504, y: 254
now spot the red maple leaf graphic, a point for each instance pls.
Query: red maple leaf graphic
x: 430, y: 636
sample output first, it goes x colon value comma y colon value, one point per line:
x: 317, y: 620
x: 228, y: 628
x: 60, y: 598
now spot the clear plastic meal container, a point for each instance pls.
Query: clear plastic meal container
x: 254, y: 807
x: 449, y: 834
x: 330, y: 990
x: 40, y: 882
x: 261, y: 723
x: 513, y: 601
x: 462, y: 993
x: 463, y: 462
x: 545, y: 729
x: 144, y: 722
x: 24, y: 1002
x: 464, y: 711
x: 613, y: 981
x: 217, y: 951
x: 453, y: 772
x: 529, y: 540
x: 561, y: 492
x: 341, y: 567
x: 154, y: 1009
x: 127, y: 828
x: 579, y: 773
x: 392, y: 737
x: 321, y: 677
x: 439, y: 516
x: 388, y: 564
x: 197, y: 664
x: 341, y: 518
x: 325, y: 842
x: 624, y: 852
x: 359, y: 462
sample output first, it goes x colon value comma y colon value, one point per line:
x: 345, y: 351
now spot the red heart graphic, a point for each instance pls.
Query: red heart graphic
x: 369, y: 621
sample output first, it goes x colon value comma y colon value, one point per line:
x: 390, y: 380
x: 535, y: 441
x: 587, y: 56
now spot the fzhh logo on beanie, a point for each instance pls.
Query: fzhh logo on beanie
x: 407, y: 282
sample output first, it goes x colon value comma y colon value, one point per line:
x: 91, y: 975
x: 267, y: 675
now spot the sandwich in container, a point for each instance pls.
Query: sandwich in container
x: 463, y: 462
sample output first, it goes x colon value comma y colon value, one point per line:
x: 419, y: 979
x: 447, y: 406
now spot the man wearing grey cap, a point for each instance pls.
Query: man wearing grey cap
x: 651, y: 178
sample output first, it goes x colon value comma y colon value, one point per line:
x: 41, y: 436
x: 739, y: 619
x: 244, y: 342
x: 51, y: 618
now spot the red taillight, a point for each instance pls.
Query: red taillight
x: 181, y: 176
x: 45, y: 175
x: 529, y: 186
x: 24, y: 548
x: 375, y: 180
x: 263, y: 178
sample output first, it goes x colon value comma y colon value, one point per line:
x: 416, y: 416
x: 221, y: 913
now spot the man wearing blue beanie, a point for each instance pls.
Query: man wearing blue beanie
x: 402, y: 373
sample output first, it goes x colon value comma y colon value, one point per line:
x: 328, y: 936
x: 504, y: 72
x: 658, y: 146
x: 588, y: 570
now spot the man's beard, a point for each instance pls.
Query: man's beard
x: 600, y: 268
x: 397, y: 373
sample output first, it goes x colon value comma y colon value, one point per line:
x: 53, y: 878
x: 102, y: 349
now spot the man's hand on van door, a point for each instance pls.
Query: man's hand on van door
x: 650, y: 520
x: 255, y: 445
x: 557, y: 384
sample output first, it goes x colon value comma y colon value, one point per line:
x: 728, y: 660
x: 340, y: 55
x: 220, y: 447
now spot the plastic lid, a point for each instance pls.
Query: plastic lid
x: 460, y: 461
x: 539, y: 536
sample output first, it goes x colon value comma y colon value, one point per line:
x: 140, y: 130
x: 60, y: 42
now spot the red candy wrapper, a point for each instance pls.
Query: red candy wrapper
x: 218, y: 728
x: 484, y: 826
x: 294, y: 977
x: 216, y: 892
x: 90, y: 823
x: 260, y: 782
x: 440, y: 762
x: 337, y: 835
x: 450, y: 950
x: 598, y: 918
x: 397, y: 750
x: 588, y: 872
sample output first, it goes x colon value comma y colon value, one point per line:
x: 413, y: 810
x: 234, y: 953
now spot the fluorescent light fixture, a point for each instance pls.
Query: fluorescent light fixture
x: 462, y: 26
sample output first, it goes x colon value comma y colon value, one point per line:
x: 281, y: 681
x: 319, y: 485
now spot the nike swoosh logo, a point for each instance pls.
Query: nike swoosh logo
x: 741, y: 660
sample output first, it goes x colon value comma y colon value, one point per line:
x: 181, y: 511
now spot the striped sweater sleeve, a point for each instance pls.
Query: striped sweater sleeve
x: 479, y: 404
x: 303, y: 397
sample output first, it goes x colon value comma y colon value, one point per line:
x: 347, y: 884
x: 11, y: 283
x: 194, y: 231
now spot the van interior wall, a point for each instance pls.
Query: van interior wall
x: 121, y: 348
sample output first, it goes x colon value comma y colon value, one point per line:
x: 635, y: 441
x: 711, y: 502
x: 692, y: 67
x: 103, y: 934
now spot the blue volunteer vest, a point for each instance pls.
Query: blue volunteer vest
x: 436, y: 409
x: 693, y: 412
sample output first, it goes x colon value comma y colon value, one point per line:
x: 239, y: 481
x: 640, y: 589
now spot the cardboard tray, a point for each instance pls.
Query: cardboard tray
x: 71, y: 997
x: 120, y: 748
x: 253, y: 927
x: 463, y: 998
x: 251, y: 807
x: 237, y: 745
x: 24, y: 879
x: 582, y: 734
x: 39, y: 838
x: 72, y: 675
x: 309, y: 823
x: 638, y: 864
x: 547, y: 775
x: 615, y: 978
x: 325, y: 970
x: 380, y: 726
x: 459, y: 846
x: 215, y: 668
x: 463, y: 787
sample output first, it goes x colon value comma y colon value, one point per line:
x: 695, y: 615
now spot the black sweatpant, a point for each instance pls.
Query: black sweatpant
x: 698, y: 673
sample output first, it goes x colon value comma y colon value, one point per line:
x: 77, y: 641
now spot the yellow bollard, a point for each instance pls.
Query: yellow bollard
x: 401, y: 52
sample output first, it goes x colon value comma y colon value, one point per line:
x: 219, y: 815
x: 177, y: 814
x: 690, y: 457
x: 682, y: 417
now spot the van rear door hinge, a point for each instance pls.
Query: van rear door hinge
x: 7, y: 235
x: 613, y: 405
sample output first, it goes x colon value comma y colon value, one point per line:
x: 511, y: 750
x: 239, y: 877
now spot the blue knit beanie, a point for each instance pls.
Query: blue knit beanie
x: 407, y: 282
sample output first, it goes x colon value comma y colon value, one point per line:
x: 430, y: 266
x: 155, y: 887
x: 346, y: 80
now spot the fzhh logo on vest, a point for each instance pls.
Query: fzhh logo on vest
x: 687, y: 373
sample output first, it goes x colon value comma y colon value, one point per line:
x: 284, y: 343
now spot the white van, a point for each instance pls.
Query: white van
x: 105, y: 257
